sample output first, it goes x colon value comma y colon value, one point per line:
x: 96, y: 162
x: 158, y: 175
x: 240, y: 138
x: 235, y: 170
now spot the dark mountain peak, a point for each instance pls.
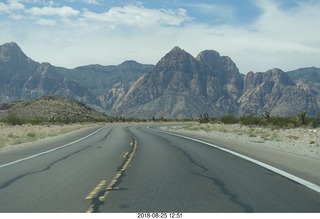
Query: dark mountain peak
x: 11, y: 52
x: 176, y: 52
x: 177, y: 60
x: 280, y: 76
x: 209, y: 58
x: 129, y: 63
x: 275, y: 71
x: 8, y: 50
x: 11, y: 45
x: 176, y: 49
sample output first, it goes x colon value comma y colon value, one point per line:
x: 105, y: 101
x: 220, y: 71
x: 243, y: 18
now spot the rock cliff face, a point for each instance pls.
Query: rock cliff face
x: 276, y: 92
x: 178, y: 86
x: 21, y: 78
x: 181, y: 86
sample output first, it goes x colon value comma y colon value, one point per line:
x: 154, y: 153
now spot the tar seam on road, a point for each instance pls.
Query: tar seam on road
x: 49, y: 151
x: 294, y: 178
x: 98, y: 197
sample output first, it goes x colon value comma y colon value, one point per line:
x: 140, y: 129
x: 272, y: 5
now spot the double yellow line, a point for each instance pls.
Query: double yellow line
x: 113, y: 182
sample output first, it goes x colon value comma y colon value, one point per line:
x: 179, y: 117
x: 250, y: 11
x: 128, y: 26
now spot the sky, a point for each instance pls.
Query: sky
x: 257, y: 35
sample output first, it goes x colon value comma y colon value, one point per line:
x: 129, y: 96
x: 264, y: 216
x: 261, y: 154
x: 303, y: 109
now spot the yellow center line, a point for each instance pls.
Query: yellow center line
x: 125, y: 155
x: 113, y: 182
x: 96, y: 190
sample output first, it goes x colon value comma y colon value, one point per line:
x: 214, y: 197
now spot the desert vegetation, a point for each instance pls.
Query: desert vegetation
x: 301, y: 120
x: 295, y: 134
x: 11, y: 135
x: 13, y: 119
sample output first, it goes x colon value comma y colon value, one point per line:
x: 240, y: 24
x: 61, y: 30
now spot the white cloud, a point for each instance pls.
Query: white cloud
x: 94, y: 2
x: 10, y: 6
x: 63, y: 11
x: 288, y: 39
x: 46, y: 22
x: 138, y: 16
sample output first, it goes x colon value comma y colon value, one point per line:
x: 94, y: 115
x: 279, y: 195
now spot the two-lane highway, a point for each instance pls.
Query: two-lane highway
x: 132, y: 168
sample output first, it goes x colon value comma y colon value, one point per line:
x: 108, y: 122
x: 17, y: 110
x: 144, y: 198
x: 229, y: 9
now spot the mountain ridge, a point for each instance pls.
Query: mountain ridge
x: 178, y: 86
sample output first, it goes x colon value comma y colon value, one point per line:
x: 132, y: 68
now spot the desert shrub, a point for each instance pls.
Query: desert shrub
x: 291, y: 125
x: 14, y: 120
x: 302, y: 117
x: 283, y: 122
x: 229, y: 119
x: 314, y: 122
x: 38, y: 121
x: 204, y: 118
x: 252, y: 120
x: 31, y: 134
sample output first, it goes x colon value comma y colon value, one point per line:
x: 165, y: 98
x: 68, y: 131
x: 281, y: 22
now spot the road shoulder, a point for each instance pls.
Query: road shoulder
x: 305, y: 167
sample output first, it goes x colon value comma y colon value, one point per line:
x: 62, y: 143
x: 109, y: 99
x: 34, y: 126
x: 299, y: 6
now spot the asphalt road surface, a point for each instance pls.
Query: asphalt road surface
x: 131, y: 168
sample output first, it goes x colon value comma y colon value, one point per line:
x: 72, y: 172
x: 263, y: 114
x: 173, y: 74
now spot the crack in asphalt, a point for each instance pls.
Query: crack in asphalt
x: 203, y: 168
x: 232, y: 197
x: 9, y: 182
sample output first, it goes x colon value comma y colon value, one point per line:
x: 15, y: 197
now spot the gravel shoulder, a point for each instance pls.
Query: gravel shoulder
x: 295, y: 151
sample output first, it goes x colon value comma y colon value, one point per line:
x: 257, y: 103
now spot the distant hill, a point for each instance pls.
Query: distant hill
x: 50, y: 108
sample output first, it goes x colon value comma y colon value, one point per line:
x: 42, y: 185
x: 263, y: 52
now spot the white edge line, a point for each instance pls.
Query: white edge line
x: 273, y: 169
x: 46, y: 152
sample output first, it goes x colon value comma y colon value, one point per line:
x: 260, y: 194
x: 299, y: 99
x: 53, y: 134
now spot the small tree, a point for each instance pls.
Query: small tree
x: 266, y: 114
x: 302, y: 117
x: 205, y: 118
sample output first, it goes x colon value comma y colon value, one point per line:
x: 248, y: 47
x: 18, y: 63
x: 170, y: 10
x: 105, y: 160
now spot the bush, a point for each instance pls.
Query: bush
x: 31, y: 134
x: 283, y: 122
x: 252, y: 120
x: 14, y: 120
x: 204, y: 118
x: 314, y: 122
x: 229, y: 119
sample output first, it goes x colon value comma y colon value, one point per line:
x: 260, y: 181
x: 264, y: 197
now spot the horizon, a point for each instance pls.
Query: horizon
x: 257, y: 35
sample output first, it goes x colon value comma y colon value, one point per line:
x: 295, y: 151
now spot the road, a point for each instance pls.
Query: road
x: 131, y: 168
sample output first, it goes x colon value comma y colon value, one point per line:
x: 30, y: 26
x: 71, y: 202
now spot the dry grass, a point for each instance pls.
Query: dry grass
x: 13, y: 135
x: 302, y: 140
x: 261, y: 133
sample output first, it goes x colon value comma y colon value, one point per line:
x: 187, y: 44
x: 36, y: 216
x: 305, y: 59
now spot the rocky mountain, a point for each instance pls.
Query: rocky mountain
x: 181, y: 86
x: 178, y: 86
x: 50, y: 108
x: 22, y: 78
x: 276, y: 92
x: 107, y: 83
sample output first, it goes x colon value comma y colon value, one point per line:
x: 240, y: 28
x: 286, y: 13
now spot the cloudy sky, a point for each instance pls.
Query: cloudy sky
x: 257, y: 34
